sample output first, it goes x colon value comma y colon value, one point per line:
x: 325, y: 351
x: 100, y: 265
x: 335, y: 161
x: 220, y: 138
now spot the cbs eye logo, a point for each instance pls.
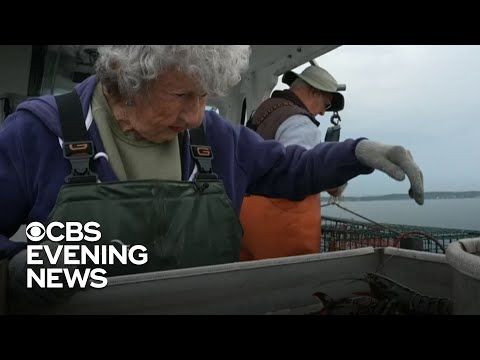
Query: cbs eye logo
x: 35, y: 231
x: 74, y: 231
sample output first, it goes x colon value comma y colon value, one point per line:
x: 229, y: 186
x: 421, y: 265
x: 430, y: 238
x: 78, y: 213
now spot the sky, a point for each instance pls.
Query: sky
x: 425, y: 98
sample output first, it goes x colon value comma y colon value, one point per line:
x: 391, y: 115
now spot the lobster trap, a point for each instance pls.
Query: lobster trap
x: 346, y: 234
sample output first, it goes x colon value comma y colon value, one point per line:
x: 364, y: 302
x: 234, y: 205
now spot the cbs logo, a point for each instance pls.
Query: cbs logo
x: 74, y: 231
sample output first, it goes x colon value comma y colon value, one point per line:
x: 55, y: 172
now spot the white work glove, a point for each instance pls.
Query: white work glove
x: 395, y: 161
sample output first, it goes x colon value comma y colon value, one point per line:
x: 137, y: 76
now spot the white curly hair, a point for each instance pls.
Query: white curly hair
x: 128, y: 69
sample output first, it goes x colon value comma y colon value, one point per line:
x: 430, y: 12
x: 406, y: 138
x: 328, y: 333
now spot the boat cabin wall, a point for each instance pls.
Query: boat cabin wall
x: 15, y: 63
x: 34, y: 70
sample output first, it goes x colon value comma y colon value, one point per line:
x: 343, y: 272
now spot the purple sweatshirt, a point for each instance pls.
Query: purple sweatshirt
x: 33, y: 169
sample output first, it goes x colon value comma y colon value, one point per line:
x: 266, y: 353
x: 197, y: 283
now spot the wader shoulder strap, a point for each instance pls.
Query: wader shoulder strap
x: 77, y: 148
x: 202, y: 154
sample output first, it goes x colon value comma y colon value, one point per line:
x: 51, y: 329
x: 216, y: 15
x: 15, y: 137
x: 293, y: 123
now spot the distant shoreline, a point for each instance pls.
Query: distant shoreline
x: 429, y: 195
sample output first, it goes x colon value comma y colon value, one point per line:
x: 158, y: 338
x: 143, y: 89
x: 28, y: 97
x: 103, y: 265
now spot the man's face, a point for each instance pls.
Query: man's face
x: 324, y: 102
x: 174, y: 102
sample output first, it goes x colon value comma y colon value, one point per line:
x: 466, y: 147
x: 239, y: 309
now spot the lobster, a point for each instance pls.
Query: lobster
x: 386, y: 297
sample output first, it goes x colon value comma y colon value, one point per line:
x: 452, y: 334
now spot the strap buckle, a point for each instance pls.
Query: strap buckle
x: 79, y: 153
x: 203, y: 157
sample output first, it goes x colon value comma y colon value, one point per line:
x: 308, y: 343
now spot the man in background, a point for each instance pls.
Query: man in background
x: 281, y: 227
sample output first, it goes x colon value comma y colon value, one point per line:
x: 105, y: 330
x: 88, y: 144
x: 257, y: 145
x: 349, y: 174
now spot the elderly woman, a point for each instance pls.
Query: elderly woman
x: 133, y: 149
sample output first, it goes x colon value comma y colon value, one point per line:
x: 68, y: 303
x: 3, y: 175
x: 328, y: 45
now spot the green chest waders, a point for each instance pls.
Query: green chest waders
x: 181, y: 224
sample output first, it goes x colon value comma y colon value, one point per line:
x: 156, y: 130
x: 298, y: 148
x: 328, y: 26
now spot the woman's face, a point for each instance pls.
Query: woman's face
x: 174, y: 102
